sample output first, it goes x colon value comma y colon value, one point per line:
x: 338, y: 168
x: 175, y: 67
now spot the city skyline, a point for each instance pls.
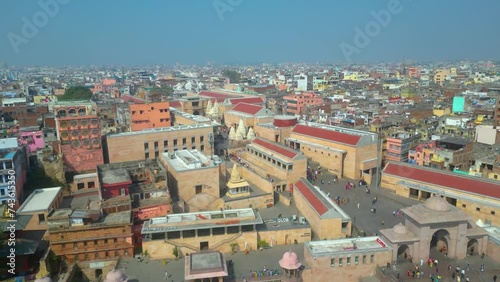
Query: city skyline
x: 245, y: 32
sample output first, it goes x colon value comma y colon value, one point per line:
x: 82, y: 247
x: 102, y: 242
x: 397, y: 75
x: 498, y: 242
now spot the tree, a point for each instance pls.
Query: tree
x: 234, y: 76
x: 77, y: 93
x: 176, y: 252
x: 165, y: 90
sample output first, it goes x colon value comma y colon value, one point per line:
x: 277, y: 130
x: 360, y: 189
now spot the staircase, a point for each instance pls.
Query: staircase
x: 226, y: 241
x: 182, y: 245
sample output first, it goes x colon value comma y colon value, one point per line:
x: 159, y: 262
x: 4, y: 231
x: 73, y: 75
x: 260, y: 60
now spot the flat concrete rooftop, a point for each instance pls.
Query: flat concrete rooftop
x: 115, y: 176
x: 202, y: 220
x: 342, y: 246
x: 184, y: 160
x: 39, y: 200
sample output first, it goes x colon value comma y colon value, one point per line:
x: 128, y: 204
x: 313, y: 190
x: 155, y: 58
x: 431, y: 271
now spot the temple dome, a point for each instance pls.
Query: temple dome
x: 400, y: 229
x: 437, y: 203
x: 290, y: 261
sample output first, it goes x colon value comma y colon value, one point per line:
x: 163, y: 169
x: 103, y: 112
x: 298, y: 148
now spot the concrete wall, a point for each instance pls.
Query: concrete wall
x: 271, y: 133
x: 321, y: 269
x: 159, y: 249
x: 259, y: 202
x: 124, y: 148
x: 89, y: 268
x: 493, y: 251
x: 286, y: 236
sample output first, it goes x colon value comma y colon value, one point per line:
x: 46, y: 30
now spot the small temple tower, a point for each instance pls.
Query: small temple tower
x: 237, y: 186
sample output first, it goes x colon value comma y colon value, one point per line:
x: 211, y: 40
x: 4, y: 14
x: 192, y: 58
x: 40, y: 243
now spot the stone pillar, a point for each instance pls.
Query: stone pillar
x: 452, y: 246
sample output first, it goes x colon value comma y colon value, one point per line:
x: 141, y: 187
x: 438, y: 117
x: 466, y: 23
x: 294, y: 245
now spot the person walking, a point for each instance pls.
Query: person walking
x: 358, y: 205
x: 495, y: 278
x: 166, y: 275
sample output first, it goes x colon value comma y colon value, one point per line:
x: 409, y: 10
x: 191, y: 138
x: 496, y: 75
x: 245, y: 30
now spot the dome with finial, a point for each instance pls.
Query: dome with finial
x: 242, y: 129
x: 290, y: 261
x: 251, y: 134
x: 437, y: 203
x: 231, y: 134
x: 400, y: 229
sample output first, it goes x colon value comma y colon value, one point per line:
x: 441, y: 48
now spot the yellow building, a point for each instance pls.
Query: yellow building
x: 328, y: 221
x: 440, y: 76
x: 478, y: 197
x: 353, y: 76
x: 193, y: 179
x: 441, y: 111
x: 345, y: 152
x: 225, y: 231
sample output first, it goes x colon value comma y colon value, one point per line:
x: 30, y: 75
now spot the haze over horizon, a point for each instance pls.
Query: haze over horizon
x: 188, y: 32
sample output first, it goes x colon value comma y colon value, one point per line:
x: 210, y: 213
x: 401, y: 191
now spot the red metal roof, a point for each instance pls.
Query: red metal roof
x: 249, y: 100
x: 275, y: 148
x: 443, y: 178
x: 174, y: 104
x: 327, y: 134
x: 128, y: 98
x: 247, y: 108
x: 309, y: 195
x: 215, y: 94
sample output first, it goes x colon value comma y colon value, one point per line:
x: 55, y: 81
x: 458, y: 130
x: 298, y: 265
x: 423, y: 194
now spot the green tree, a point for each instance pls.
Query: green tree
x: 76, y: 93
x: 234, y: 76
x: 165, y: 90
x: 176, y: 252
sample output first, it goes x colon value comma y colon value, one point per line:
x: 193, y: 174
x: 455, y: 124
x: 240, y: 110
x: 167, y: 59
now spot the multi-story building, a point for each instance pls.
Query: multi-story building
x: 89, y: 238
x: 497, y: 119
x: 193, y: 179
x: 328, y: 221
x: 26, y: 115
x: 38, y: 206
x: 297, y: 103
x: 14, y: 163
x: 346, y: 259
x: 399, y: 144
x: 250, y: 114
x: 225, y: 231
x: 149, y: 144
x: 440, y: 76
x: 414, y: 72
x: 33, y: 140
x: 448, y: 153
x: 80, y: 138
x: 150, y: 115
x: 344, y: 152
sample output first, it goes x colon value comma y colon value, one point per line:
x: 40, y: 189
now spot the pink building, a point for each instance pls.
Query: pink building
x: 297, y: 103
x: 33, y: 141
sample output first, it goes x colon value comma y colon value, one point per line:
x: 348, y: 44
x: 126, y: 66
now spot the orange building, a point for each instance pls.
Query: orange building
x: 297, y: 103
x: 151, y: 115
x: 413, y: 72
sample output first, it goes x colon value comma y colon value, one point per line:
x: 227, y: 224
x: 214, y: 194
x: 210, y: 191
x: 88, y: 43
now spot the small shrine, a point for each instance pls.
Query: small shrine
x: 237, y: 186
x: 290, y: 264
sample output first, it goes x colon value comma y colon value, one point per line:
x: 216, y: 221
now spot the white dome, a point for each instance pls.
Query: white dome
x: 437, y: 203
x: 400, y: 229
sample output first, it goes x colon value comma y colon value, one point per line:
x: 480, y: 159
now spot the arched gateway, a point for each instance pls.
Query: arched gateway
x: 435, y: 227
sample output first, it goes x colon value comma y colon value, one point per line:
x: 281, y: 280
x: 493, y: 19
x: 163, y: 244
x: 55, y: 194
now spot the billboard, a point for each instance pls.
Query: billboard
x: 458, y: 104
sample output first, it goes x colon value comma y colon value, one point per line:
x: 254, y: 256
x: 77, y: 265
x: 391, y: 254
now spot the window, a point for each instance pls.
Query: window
x: 492, y: 212
x: 356, y: 260
x: 201, y: 139
x: 165, y: 144
x: 348, y: 260
x: 146, y: 146
x: 464, y: 205
x: 175, y: 142
x: 184, y: 141
x: 341, y: 261
x: 157, y: 154
x: 478, y: 209
x: 41, y: 218
x: 96, y: 243
x: 2, y: 192
x: 198, y: 189
x: 193, y: 140
x: 372, y: 258
x: 91, y: 184
x: 202, y: 148
x: 146, y: 155
x: 364, y: 258
x: 156, y: 145
x: 332, y: 262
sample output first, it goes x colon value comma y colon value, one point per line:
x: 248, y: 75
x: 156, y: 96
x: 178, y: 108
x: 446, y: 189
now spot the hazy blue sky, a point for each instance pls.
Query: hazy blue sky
x: 126, y: 32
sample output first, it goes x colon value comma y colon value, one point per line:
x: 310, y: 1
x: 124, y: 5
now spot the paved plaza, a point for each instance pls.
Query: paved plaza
x: 363, y: 219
